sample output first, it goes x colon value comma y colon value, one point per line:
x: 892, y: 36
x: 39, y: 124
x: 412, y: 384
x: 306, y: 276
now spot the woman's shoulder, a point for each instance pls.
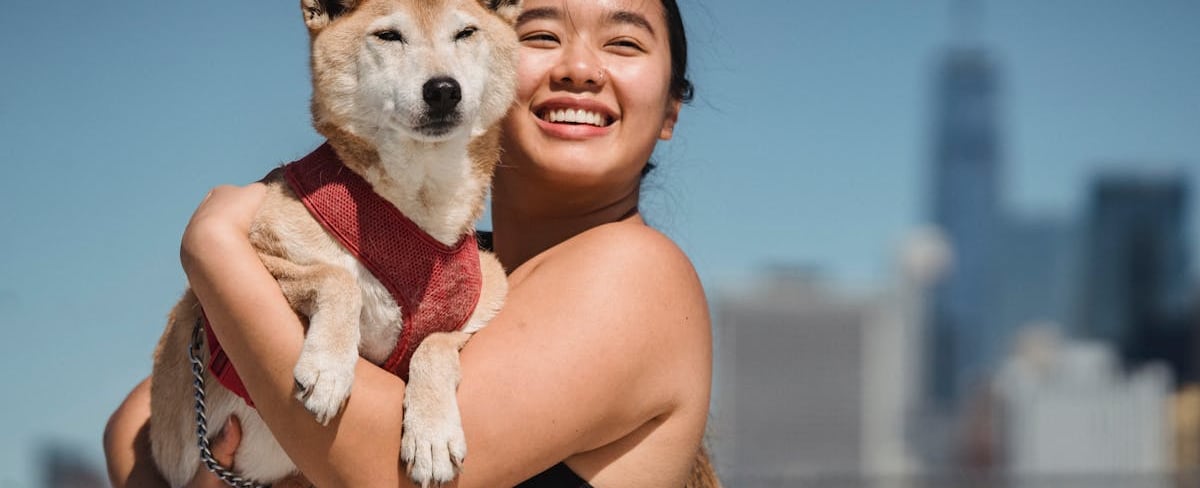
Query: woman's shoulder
x: 636, y: 248
x: 631, y: 267
x: 629, y: 251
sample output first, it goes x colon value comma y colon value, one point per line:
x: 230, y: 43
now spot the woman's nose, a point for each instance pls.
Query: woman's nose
x: 579, y: 67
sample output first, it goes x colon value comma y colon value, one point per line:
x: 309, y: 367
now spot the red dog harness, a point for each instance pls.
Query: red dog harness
x: 436, y: 286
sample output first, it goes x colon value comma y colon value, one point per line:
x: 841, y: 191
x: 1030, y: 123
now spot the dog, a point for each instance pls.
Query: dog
x: 409, y: 95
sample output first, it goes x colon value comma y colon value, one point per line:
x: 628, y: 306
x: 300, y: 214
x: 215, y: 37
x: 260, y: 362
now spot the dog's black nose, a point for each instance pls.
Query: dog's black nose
x: 442, y: 94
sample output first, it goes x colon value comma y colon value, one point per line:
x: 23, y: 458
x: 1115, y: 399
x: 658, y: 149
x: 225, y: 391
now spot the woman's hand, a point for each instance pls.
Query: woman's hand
x: 223, y: 447
x: 127, y: 447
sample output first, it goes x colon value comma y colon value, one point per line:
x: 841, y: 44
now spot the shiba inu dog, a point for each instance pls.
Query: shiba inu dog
x: 409, y: 94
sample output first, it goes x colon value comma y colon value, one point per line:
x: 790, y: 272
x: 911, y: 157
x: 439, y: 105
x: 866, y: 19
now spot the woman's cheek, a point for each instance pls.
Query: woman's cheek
x: 531, y: 70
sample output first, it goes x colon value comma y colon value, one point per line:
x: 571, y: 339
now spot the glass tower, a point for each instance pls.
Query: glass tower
x: 1137, y: 290
x: 966, y: 207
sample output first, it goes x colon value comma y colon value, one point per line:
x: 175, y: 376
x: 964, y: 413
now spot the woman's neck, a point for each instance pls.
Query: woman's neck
x: 524, y: 227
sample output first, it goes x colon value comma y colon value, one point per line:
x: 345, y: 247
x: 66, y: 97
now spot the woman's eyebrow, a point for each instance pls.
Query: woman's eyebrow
x: 631, y: 18
x: 542, y: 13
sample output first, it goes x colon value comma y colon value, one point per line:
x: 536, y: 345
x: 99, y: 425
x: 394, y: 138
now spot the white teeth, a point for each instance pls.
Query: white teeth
x: 575, y: 116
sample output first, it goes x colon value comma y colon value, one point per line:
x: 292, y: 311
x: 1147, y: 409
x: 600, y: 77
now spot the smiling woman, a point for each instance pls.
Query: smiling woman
x: 597, y: 370
x: 596, y: 89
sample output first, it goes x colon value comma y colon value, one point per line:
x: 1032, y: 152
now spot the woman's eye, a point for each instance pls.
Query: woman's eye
x: 540, y: 39
x: 390, y: 36
x: 465, y: 33
x: 626, y: 44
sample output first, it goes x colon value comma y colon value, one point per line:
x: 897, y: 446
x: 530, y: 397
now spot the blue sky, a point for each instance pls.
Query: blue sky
x: 807, y: 143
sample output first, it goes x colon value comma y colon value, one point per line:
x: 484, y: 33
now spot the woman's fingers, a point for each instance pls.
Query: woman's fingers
x: 297, y: 481
x: 226, y: 442
x: 223, y: 446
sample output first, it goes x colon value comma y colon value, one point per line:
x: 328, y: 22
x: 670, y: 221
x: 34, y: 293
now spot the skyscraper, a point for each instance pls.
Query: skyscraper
x: 966, y: 206
x: 1137, y: 293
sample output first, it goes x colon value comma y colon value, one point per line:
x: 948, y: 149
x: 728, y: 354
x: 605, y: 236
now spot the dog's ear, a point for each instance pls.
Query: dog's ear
x: 319, y: 13
x: 506, y: 9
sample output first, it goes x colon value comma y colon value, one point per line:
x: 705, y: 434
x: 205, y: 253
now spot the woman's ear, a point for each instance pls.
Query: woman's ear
x: 672, y: 116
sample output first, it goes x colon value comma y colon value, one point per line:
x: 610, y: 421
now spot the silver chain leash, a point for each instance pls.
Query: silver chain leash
x: 206, y: 456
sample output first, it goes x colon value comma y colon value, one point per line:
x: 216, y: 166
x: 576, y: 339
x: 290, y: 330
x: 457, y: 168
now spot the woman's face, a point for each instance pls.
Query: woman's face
x: 593, y: 91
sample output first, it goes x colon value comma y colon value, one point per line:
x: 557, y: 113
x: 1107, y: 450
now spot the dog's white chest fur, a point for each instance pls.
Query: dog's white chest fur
x: 381, y: 316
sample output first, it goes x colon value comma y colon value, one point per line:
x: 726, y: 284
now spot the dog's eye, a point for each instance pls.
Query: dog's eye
x: 390, y: 36
x: 465, y: 33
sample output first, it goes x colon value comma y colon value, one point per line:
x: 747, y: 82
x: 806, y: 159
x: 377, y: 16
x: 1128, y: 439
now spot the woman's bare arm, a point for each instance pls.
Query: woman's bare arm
x: 587, y: 349
x: 127, y: 442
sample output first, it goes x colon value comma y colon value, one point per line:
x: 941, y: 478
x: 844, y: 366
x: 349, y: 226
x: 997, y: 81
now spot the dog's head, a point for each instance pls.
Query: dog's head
x: 390, y: 71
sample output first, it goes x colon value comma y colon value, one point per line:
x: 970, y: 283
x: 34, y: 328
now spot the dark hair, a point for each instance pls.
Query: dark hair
x: 681, y: 87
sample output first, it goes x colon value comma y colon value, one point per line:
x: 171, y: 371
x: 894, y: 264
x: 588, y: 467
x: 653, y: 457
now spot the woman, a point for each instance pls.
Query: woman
x: 598, y: 368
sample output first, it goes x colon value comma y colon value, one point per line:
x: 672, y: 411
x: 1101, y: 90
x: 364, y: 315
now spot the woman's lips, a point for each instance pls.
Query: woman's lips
x: 574, y: 118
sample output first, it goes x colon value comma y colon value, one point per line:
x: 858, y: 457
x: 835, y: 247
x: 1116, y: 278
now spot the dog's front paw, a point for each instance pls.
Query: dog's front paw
x: 323, y: 382
x: 432, y: 445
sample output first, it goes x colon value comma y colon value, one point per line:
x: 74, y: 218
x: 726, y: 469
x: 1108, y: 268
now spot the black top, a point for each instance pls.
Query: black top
x: 559, y: 476
x: 484, y: 239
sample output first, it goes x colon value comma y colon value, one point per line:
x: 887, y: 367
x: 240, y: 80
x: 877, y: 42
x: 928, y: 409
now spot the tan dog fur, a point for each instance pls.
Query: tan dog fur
x: 367, y: 102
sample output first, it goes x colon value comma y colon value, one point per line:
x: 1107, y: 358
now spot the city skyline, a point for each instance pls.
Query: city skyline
x: 818, y: 159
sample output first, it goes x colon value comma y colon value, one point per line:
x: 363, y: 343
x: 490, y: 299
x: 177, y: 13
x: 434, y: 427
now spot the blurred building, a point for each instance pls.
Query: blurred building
x: 893, y: 349
x: 1186, y: 423
x: 1036, y: 274
x: 1137, y: 291
x: 1067, y: 408
x: 819, y: 384
x: 789, y: 369
x: 966, y: 206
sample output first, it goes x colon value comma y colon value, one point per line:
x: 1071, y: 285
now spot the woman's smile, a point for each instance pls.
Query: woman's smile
x: 574, y: 118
